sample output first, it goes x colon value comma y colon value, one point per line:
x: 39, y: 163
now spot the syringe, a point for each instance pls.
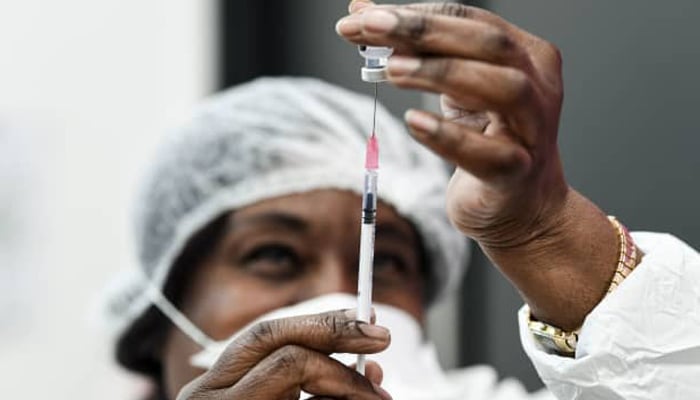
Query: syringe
x: 374, y: 71
x: 367, y: 231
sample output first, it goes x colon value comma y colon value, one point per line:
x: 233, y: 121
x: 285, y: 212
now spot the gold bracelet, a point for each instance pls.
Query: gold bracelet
x: 564, y: 343
x: 628, y: 259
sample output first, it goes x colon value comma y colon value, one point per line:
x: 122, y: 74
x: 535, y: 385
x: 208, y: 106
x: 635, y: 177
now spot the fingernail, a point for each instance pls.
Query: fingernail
x: 402, y: 66
x: 374, y: 331
x: 357, y: 5
x: 348, y: 26
x: 380, y: 21
x: 381, y: 392
x: 422, y: 121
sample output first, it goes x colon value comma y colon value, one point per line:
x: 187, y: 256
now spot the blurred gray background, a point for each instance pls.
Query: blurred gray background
x: 89, y: 87
x: 628, y: 136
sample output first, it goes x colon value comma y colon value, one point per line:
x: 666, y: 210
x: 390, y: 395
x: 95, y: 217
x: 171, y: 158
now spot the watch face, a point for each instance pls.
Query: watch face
x: 551, y: 345
x: 546, y: 341
x: 552, y: 339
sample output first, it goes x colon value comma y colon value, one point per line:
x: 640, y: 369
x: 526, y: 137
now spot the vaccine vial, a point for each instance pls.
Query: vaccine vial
x: 375, y: 62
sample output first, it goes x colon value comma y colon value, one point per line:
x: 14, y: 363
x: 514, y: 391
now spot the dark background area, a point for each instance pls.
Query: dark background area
x: 628, y: 136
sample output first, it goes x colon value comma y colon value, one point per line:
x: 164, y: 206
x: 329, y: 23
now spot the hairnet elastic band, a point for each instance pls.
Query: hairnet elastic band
x: 178, y: 318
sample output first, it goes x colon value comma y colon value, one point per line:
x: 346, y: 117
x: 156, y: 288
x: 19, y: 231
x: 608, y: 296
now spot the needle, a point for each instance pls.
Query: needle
x: 374, y: 114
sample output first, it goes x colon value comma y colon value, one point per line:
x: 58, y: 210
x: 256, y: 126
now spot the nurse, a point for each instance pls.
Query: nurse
x: 250, y: 212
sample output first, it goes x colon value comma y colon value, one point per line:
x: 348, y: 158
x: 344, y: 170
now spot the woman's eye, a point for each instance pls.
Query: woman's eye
x: 276, y: 262
x: 389, y: 267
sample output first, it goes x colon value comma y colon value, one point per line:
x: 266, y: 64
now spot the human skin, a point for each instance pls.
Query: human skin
x: 280, y: 252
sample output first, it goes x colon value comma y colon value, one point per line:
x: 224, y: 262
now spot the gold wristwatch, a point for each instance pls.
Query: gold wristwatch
x: 553, y: 339
x: 564, y: 343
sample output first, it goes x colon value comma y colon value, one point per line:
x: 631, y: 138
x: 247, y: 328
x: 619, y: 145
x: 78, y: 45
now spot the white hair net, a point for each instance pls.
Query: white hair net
x: 274, y: 137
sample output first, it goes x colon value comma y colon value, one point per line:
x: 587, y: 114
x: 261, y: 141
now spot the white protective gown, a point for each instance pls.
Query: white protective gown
x: 641, y: 342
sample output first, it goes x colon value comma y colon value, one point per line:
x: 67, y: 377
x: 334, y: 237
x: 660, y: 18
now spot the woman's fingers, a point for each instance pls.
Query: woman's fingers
x: 285, y: 373
x: 454, y: 9
x: 413, y: 32
x: 473, y: 84
x: 373, y: 372
x: 448, y: 9
x: 280, y: 358
x: 493, y: 159
x: 332, y: 332
x: 292, y: 369
x: 540, y: 53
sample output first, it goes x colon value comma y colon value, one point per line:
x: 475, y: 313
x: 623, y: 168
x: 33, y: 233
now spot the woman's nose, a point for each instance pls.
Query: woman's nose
x: 333, y: 276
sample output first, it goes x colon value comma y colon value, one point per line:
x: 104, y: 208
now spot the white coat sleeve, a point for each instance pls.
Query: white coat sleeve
x: 642, y: 341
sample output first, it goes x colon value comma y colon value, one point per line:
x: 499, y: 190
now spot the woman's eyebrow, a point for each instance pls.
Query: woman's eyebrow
x: 391, y: 231
x: 275, y: 219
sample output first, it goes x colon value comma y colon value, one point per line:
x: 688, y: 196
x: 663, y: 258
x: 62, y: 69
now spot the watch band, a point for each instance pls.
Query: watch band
x: 564, y: 342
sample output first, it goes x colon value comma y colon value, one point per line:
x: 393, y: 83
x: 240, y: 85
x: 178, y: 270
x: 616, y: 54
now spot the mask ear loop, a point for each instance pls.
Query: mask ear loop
x: 178, y: 318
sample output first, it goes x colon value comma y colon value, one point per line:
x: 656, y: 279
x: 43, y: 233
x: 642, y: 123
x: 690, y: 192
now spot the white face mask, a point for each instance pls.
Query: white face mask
x: 410, y: 365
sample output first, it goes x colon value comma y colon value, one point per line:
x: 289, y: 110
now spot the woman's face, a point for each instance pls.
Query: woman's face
x: 286, y: 250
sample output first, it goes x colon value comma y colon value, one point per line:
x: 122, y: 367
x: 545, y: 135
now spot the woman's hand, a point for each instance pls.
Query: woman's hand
x: 278, y: 359
x: 501, y: 93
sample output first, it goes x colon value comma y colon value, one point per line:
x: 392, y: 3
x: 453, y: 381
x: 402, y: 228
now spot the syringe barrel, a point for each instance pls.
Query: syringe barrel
x: 369, y: 219
x: 364, y: 274
x: 369, y: 197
